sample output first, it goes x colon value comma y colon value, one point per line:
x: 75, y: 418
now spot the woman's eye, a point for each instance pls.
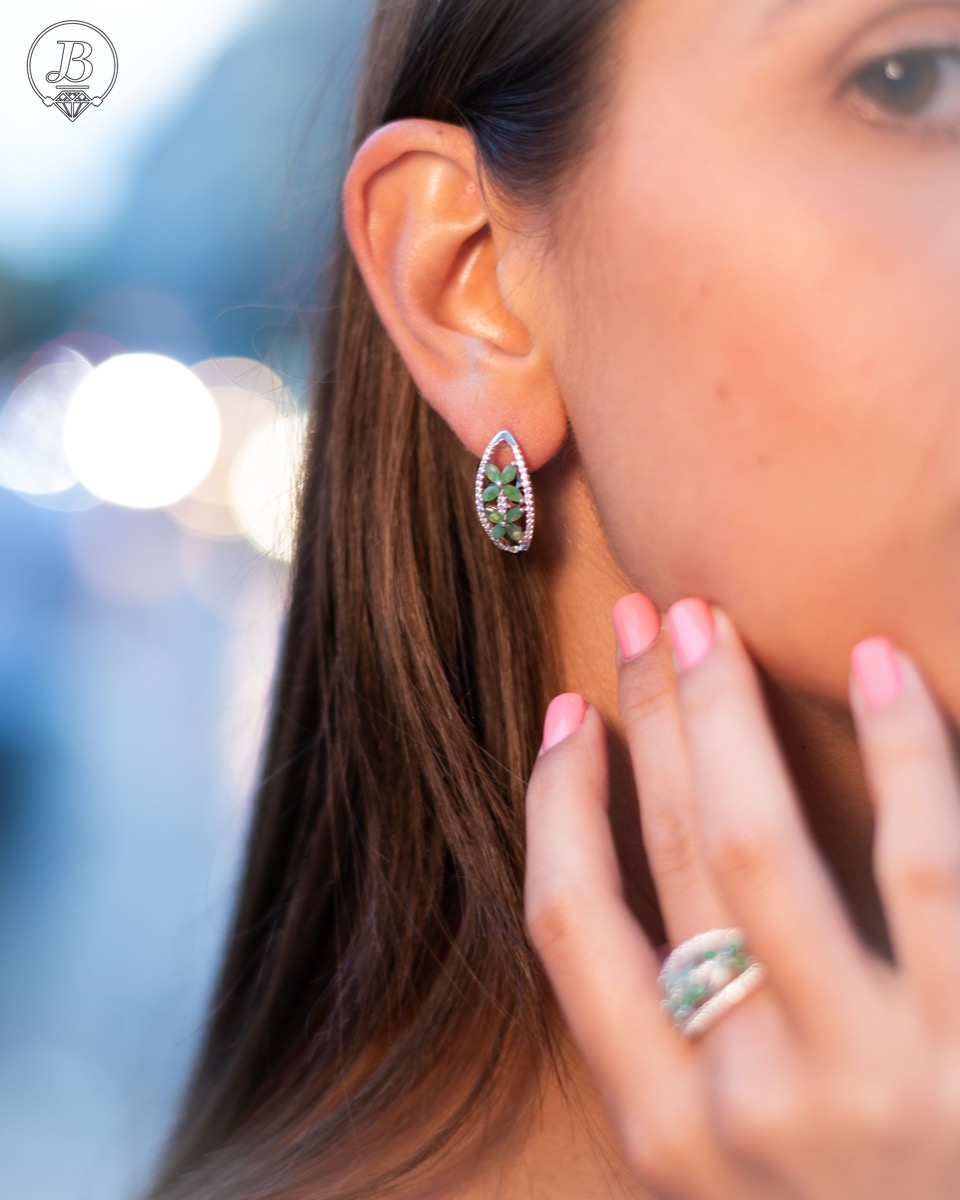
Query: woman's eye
x: 913, y: 82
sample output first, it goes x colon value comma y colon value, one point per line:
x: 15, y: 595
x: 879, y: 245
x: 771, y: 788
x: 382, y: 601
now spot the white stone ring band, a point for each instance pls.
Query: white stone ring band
x: 704, y: 977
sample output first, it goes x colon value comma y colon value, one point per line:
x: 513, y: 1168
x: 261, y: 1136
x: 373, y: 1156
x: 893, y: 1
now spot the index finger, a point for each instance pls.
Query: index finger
x: 602, y: 967
x: 605, y: 972
x: 647, y: 696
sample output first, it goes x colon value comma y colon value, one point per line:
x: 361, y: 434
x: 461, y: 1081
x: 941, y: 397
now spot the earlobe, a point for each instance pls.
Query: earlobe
x: 433, y: 257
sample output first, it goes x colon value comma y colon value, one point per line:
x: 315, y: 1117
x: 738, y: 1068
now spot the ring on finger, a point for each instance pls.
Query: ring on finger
x: 704, y: 977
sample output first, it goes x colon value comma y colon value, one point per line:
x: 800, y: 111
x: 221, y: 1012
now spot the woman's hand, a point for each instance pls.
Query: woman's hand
x: 839, y: 1077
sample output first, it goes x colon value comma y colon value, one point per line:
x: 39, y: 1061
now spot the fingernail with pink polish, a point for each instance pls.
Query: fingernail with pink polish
x: 564, y: 716
x: 636, y: 622
x: 690, y: 622
x: 876, y: 670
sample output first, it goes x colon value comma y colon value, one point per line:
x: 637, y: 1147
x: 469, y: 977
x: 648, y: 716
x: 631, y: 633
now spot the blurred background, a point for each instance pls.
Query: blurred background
x: 159, y: 262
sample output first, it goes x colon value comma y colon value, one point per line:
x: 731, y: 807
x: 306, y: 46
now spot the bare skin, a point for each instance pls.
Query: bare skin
x: 747, y: 320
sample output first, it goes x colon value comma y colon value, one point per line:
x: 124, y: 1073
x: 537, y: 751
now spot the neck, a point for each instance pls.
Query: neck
x: 819, y: 743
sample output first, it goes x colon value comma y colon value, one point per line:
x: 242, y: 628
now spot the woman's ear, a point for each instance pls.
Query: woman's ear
x: 453, y: 286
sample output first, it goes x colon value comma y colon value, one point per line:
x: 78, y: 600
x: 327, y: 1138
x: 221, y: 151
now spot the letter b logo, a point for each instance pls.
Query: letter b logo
x: 71, y: 66
x: 73, y: 52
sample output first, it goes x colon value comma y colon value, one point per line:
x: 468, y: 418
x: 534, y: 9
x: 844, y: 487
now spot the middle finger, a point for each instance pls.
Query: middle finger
x: 755, y: 838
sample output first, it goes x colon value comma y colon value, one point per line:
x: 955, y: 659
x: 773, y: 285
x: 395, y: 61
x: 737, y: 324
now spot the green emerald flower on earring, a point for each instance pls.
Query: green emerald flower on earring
x: 509, y: 500
x: 504, y: 497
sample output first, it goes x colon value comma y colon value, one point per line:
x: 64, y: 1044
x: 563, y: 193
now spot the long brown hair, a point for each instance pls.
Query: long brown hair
x: 377, y: 988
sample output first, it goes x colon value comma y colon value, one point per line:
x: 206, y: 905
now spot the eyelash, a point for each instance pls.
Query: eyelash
x: 933, y: 131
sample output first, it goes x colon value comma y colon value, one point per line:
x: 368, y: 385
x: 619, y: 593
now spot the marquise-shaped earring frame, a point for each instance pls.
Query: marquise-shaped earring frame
x: 485, y: 483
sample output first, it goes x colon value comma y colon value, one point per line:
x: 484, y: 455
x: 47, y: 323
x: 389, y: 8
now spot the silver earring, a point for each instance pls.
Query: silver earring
x: 504, y: 497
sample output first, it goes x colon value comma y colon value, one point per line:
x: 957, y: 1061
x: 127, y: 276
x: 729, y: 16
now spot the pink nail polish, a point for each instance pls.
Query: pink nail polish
x: 691, y: 629
x: 876, y: 670
x: 564, y: 716
x: 636, y: 622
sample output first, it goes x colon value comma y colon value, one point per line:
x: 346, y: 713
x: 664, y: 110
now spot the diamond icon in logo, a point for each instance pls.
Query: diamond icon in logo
x: 72, y: 103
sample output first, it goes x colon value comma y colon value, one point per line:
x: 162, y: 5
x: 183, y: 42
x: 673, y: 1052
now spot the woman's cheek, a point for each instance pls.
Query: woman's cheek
x: 766, y: 397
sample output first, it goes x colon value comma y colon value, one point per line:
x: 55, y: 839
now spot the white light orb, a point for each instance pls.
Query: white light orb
x: 264, y: 483
x: 141, y: 430
x: 207, y: 509
x: 249, y: 374
x: 32, y: 460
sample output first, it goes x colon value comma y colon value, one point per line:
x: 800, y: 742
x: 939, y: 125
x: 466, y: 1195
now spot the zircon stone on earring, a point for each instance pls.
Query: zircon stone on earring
x: 504, y: 497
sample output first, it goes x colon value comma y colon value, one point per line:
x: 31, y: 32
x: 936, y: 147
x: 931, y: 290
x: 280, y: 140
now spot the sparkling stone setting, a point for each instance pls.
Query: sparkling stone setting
x: 705, y: 976
x: 504, y: 496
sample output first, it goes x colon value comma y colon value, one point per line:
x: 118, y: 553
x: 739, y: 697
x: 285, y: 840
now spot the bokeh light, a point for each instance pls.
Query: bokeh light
x: 253, y: 377
x: 249, y: 396
x: 264, y: 481
x: 141, y: 618
x: 32, y: 459
x: 141, y: 430
x: 53, y: 351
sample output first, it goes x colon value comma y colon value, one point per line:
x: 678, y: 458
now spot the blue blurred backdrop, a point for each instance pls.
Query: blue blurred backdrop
x: 159, y: 258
